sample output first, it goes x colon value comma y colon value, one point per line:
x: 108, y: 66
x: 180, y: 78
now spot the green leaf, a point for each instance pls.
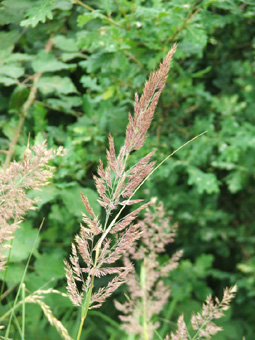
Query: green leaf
x: 7, y: 40
x: 201, y: 73
x: 201, y: 290
x: 109, y: 92
x: 63, y: 5
x: 12, y: 11
x: 39, y: 113
x: 66, y: 56
x: 46, y: 62
x: 247, y: 268
x: 45, y: 195
x: 205, y: 182
x: 14, y: 57
x: 40, y: 11
x: 18, y: 98
x: 52, y: 84
x: 50, y: 266
x: 85, y: 18
x: 9, y: 127
x: 7, y: 81
x: 88, y: 104
x: 12, y: 71
x: 64, y: 103
x: 236, y: 181
x: 23, y: 242
x: 90, y: 83
x: 73, y: 202
x: 195, y: 40
x: 14, y: 273
x: 65, y: 44
x: 202, y: 264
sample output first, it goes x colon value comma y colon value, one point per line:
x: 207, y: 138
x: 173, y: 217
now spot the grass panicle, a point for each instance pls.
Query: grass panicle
x: 147, y: 292
x: 202, y: 322
x: 116, y: 184
x: 32, y: 172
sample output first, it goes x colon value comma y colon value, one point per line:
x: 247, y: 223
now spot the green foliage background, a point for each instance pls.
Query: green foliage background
x: 101, y: 55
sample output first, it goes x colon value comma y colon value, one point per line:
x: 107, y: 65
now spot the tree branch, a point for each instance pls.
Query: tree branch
x: 24, y: 112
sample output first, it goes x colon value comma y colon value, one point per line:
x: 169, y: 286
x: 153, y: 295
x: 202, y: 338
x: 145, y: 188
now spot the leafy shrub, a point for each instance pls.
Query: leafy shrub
x: 85, y: 84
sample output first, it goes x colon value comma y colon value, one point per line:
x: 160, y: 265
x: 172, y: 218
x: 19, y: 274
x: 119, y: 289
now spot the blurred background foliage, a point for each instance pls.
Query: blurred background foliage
x: 68, y: 74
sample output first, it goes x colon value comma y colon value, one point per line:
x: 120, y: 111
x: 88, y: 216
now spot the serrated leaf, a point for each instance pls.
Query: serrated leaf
x: 90, y: 83
x: 14, y: 57
x: 46, y: 62
x: 12, y: 11
x: 63, y: 5
x: 205, y: 182
x: 85, y: 18
x: 61, y: 85
x: 66, y: 56
x: 65, y: 44
x: 235, y: 181
x: 64, y: 104
x: 39, y: 12
x: 7, y: 81
x: 12, y: 71
x: 195, y: 40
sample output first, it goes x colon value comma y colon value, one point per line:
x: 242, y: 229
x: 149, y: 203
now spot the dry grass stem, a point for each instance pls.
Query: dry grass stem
x: 37, y: 298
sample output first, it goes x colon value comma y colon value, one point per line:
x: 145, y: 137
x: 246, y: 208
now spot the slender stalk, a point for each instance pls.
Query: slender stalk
x: 21, y: 282
x: 113, y: 22
x: 8, y: 291
x: 107, y: 319
x: 28, y: 299
x: 14, y: 141
x: 144, y: 300
x: 106, y: 219
x: 165, y: 159
x: 193, y: 12
x: 6, y: 269
x: 80, y: 329
x: 85, y: 308
x: 23, y: 311
x: 78, y: 2
x: 158, y: 335
x: 195, y: 337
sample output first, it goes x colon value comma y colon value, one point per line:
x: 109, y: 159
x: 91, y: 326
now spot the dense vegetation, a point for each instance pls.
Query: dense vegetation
x: 76, y: 68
